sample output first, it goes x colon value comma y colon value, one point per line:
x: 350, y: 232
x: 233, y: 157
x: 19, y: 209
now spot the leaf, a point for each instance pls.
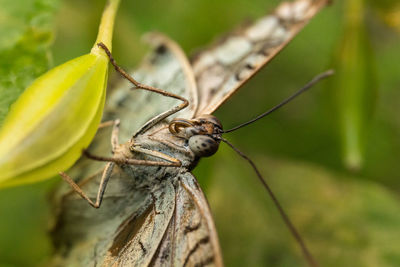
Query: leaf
x: 25, y: 37
x: 354, y: 85
x: 57, y: 115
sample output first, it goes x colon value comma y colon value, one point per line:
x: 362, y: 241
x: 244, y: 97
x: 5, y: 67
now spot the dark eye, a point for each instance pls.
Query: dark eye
x: 203, y: 145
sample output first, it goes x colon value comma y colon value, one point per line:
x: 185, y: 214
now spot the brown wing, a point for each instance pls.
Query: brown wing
x: 188, y: 238
x: 191, y: 238
x: 223, y: 68
x: 83, y: 235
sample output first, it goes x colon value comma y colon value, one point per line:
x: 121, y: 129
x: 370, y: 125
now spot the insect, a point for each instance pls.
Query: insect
x: 154, y: 212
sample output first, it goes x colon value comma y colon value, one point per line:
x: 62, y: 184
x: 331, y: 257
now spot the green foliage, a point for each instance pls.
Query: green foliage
x: 25, y: 36
x: 345, y: 221
x: 26, y: 33
x: 24, y: 224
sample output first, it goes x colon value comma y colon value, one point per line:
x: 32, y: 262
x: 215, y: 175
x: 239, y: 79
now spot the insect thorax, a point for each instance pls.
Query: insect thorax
x: 148, y: 146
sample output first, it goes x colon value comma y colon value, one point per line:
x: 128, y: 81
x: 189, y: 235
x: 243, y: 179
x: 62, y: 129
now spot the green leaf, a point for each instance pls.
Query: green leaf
x: 25, y: 37
x: 354, y: 85
x: 57, y: 115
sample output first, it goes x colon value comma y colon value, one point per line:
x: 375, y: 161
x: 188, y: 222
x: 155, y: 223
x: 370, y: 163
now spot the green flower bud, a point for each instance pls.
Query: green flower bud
x: 57, y: 115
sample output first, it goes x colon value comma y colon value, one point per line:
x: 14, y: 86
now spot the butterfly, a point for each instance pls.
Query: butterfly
x: 154, y: 213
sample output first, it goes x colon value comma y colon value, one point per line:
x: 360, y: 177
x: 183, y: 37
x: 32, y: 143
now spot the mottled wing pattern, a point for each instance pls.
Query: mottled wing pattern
x: 137, y: 238
x: 83, y: 235
x: 191, y: 239
x: 188, y: 238
x: 224, y: 67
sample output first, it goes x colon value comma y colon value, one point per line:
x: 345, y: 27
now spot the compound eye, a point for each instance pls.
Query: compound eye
x: 203, y: 145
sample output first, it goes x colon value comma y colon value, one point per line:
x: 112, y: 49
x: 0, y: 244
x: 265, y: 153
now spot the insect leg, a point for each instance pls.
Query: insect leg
x: 114, y: 135
x: 171, y: 144
x: 139, y: 85
x: 171, y: 162
x: 107, y: 170
x: 115, y: 131
x: 105, y: 124
x: 102, y: 187
x: 156, y: 154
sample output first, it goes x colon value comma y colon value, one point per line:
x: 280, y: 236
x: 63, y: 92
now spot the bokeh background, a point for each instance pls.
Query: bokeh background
x: 332, y: 156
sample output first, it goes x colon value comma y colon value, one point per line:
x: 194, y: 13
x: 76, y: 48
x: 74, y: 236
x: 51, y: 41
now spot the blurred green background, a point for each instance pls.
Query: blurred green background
x: 331, y: 156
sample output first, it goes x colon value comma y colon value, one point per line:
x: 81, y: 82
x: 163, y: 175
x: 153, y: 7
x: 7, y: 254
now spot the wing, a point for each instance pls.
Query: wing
x: 191, y: 238
x: 82, y: 235
x: 177, y: 231
x: 227, y: 65
x: 170, y: 225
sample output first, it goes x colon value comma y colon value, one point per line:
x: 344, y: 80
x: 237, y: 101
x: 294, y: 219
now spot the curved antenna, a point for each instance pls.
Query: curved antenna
x: 315, y: 80
x: 306, y: 252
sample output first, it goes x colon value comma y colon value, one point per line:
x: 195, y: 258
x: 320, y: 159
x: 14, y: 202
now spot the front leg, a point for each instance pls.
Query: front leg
x: 138, y: 85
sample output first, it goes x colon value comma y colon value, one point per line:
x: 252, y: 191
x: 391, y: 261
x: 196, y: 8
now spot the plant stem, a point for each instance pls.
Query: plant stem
x: 106, y: 26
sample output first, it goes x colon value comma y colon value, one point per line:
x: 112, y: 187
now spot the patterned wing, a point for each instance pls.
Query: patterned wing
x: 191, y: 239
x: 224, y: 67
x: 188, y: 238
x: 83, y: 235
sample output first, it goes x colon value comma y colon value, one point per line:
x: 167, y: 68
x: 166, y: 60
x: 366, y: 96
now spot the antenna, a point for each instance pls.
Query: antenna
x: 315, y: 80
x: 306, y: 252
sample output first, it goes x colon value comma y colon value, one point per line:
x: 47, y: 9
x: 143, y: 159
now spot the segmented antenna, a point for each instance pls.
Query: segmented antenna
x: 306, y: 252
x: 315, y: 80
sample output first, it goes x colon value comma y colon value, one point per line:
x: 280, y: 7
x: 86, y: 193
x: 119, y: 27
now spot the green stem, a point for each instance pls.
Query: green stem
x: 354, y: 12
x: 354, y: 84
x: 106, y: 26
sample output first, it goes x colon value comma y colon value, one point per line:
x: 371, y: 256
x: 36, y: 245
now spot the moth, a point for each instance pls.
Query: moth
x: 153, y: 212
